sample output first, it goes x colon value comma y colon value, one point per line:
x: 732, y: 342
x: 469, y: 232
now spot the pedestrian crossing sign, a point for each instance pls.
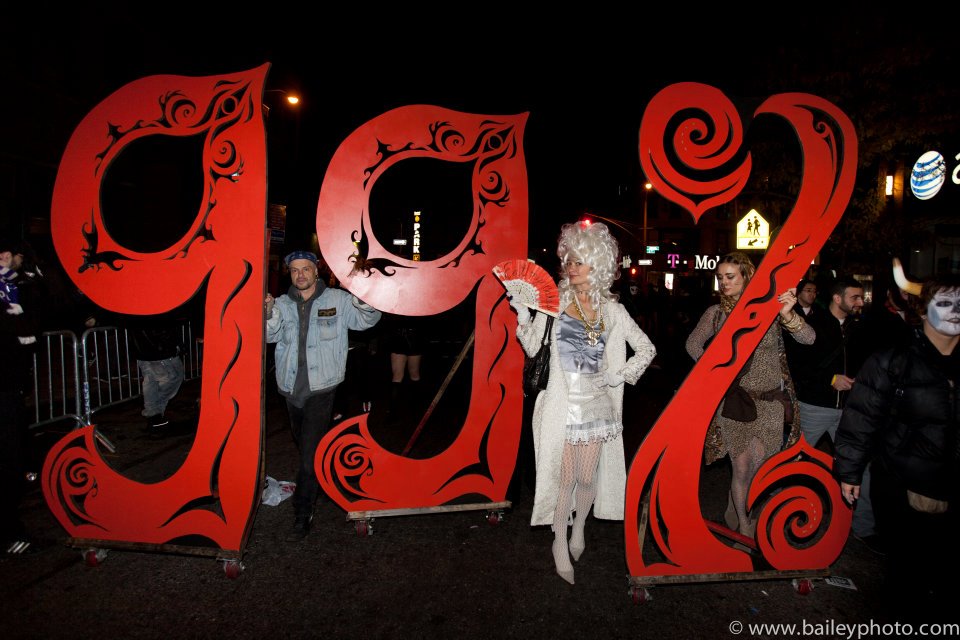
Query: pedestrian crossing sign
x: 753, y: 232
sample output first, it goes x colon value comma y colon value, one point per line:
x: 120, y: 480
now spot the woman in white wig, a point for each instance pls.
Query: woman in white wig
x: 577, y: 420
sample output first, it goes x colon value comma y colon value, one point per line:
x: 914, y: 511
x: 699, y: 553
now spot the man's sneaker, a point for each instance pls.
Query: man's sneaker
x: 157, y: 424
x: 874, y: 543
x: 301, y: 527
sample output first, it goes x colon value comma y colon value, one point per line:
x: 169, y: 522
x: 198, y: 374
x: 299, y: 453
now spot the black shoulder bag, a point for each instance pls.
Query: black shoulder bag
x: 536, y: 370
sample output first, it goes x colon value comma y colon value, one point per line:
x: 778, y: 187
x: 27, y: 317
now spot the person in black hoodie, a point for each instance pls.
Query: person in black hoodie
x: 901, y: 418
x: 18, y: 332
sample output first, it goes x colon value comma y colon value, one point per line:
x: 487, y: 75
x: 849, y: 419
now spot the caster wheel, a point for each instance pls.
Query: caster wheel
x: 803, y: 586
x: 364, y: 528
x: 232, y: 568
x: 94, y: 557
x: 495, y: 517
x: 639, y: 595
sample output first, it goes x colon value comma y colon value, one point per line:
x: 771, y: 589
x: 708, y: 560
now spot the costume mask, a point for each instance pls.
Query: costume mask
x: 943, y: 312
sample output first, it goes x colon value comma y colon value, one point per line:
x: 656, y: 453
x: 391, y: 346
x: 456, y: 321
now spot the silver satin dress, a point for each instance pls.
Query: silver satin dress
x: 590, y: 414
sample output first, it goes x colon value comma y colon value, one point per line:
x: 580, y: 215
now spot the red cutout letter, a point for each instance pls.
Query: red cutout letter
x: 215, y: 492
x: 353, y: 469
x: 668, y: 463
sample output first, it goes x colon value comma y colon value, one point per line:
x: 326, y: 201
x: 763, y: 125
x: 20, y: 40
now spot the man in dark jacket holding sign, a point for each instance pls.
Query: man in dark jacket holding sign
x: 903, y: 416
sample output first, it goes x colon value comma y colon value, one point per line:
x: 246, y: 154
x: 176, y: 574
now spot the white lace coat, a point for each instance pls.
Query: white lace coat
x: 550, y: 412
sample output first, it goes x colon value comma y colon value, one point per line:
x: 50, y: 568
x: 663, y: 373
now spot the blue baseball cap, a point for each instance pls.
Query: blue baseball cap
x: 301, y: 255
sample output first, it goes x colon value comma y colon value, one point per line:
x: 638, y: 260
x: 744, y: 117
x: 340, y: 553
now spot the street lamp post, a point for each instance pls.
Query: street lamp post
x: 292, y: 98
x: 646, y: 196
x: 622, y: 224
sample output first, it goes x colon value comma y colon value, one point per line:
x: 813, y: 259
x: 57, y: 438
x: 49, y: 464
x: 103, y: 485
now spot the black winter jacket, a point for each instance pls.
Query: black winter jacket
x: 913, y: 433
x: 813, y: 366
x: 153, y: 343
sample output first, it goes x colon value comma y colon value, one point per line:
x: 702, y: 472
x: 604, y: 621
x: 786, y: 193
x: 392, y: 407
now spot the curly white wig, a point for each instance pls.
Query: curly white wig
x: 592, y: 244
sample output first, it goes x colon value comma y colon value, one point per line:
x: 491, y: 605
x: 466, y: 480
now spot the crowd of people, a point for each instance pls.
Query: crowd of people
x: 822, y: 370
x: 876, y: 389
x: 900, y: 420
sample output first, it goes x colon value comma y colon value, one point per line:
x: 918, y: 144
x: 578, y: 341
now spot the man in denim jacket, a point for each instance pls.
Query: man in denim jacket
x: 310, y: 328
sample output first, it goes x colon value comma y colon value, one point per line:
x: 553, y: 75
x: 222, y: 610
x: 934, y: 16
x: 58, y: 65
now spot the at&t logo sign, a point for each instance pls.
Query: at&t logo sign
x: 929, y: 173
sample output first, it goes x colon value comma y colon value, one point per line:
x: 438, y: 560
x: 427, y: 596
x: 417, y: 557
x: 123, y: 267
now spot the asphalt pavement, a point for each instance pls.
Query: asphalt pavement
x: 454, y: 574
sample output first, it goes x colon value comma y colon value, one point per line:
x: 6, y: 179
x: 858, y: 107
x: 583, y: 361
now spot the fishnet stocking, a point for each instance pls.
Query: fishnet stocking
x: 578, y: 468
x: 745, y: 466
x: 561, y: 553
x: 586, y: 458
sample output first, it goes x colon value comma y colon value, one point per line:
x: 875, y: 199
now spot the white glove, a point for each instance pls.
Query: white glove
x: 523, y: 313
x: 612, y: 378
x: 14, y: 309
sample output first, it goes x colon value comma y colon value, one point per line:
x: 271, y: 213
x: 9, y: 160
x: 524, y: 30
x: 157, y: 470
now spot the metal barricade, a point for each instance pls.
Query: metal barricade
x: 110, y: 375
x: 73, y: 383
x: 192, y: 352
x: 56, y: 380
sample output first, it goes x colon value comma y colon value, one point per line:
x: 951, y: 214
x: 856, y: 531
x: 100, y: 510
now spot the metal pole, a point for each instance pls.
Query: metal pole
x: 443, y: 387
x: 647, y: 186
x: 646, y: 196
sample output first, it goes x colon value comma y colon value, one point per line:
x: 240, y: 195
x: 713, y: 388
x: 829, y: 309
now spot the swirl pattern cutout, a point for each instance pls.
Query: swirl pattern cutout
x: 805, y: 522
x: 213, y: 495
x: 353, y: 469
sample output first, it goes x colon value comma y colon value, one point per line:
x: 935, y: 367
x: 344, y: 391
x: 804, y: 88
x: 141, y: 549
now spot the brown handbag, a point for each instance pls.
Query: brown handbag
x: 738, y: 405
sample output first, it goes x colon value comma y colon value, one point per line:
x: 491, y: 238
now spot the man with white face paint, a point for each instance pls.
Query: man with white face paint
x: 943, y: 313
x: 903, y: 415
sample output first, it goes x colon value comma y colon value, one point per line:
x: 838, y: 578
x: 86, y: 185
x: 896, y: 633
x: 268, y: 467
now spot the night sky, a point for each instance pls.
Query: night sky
x: 584, y: 77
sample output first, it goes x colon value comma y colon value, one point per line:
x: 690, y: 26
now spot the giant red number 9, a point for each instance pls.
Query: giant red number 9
x: 214, y: 493
x: 352, y: 467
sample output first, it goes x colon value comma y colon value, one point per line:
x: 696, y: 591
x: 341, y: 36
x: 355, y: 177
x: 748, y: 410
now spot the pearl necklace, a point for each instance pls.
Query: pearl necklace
x: 593, y: 330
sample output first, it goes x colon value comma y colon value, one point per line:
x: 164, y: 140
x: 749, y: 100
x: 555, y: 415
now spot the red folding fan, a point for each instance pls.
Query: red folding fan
x: 530, y: 284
